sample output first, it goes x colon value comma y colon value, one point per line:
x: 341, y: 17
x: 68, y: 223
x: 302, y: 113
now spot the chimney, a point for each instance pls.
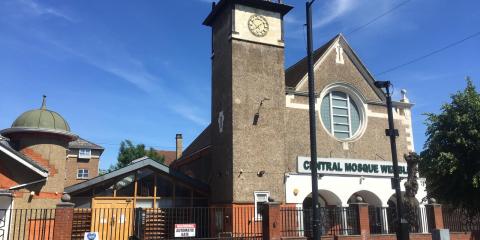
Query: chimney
x: 179, y: 145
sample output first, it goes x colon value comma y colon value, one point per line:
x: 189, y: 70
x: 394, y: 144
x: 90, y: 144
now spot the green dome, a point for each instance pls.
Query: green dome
x: 41, y: 119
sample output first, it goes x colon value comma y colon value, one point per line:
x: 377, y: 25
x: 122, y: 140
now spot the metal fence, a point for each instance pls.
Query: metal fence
x: 32, y: 224
x: 383, y: 220
x: 159, y: 223
x: 297, y: 221
x: 376, y: 217
x: 461, y: 220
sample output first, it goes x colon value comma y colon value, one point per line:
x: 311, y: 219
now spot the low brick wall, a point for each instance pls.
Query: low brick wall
x: 414, y: 236
x: 475, y: 235
x: 435, y: 221
x: 305, y: 238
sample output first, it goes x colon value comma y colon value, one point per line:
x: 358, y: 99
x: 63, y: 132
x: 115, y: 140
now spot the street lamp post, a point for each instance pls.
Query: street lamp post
x: 402, y: 224
x: 313, y: 137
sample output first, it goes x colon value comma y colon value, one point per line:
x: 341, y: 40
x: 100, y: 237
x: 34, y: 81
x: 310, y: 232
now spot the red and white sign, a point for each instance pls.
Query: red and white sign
x: 185, y: 230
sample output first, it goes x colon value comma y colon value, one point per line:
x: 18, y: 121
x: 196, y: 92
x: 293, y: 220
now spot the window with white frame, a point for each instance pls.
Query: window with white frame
x: 84, y: 153
x: 259, y: 198
x: 340, y: 115
x: 82, y: 173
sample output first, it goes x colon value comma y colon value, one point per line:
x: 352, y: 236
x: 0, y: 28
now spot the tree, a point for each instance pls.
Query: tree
x: 451, y: 159
x: 129, y: 152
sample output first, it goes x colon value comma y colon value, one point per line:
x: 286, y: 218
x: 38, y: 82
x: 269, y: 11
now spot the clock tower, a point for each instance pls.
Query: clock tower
x: 248, y: 100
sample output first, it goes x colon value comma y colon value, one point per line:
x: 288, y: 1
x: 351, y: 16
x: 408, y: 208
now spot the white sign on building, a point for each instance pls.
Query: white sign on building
x: 342, y: 166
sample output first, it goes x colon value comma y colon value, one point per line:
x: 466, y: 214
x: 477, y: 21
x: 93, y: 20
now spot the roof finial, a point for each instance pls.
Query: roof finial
x: 404, y: 96
x: 44, y: 102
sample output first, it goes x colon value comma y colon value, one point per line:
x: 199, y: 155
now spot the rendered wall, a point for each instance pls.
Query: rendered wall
x: 221, y: 131
x: 258, y: 74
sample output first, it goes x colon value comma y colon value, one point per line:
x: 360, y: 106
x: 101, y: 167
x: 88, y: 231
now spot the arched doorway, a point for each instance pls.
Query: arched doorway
x: 325, y: 198
x: 367, y: 197
x: 375, y: 211
x: 329, y: 210
x: 416, y: 216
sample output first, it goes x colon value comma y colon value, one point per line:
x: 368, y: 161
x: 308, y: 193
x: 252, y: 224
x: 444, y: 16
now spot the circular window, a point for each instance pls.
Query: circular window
x: 341, y: 115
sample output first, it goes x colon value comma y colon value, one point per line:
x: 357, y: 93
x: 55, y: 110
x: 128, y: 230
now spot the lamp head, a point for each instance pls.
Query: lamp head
x: 382, y: 84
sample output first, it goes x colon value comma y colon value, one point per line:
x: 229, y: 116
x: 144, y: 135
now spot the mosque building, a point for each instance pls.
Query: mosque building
x: 257, y: 145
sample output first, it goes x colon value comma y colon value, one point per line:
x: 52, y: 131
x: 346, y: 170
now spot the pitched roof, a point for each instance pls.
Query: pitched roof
x: 298, y: 71
x: 137, y: 164
x: 22, y: 159
x: 82, y: 143
x: 295, y: 73
x: 202, y: 141
x: 169, y: 156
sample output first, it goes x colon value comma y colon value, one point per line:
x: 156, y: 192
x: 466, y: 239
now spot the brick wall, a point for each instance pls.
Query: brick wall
x: 63, y: 222
x: 434, y: 217
x: 73, y: 164
x: 465, y: 235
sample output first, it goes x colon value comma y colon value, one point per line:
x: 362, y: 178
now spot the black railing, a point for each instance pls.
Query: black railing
x: 17, y: 224
x: 297, y: 221
x: 159, y: 223
x: 383, y: 220
x: 460, y: 220
x: 376, y: 220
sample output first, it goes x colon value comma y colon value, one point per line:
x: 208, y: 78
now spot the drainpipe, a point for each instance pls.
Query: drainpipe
x: 27, y: 184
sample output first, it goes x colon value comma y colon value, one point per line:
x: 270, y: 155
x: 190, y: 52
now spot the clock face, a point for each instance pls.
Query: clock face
x: 258, y: 25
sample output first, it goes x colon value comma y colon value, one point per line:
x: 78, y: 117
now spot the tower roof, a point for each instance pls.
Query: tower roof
x: 275, y: 6
x: 40, y: 120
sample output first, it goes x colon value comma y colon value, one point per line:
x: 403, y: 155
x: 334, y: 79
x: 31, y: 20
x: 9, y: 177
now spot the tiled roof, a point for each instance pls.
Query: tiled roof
x: 203, y: 140
x: 198, y: 146
x: 82, y: 143
x: 170, y: 156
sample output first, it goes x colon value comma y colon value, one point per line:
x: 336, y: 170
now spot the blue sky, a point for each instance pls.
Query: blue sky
x: 140, y: 70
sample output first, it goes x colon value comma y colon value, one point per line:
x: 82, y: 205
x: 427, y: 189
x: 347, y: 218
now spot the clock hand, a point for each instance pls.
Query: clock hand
x: 256, y: 26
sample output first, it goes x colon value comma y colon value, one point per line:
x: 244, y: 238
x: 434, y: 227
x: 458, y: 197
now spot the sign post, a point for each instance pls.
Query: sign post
x: 313, y: 129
